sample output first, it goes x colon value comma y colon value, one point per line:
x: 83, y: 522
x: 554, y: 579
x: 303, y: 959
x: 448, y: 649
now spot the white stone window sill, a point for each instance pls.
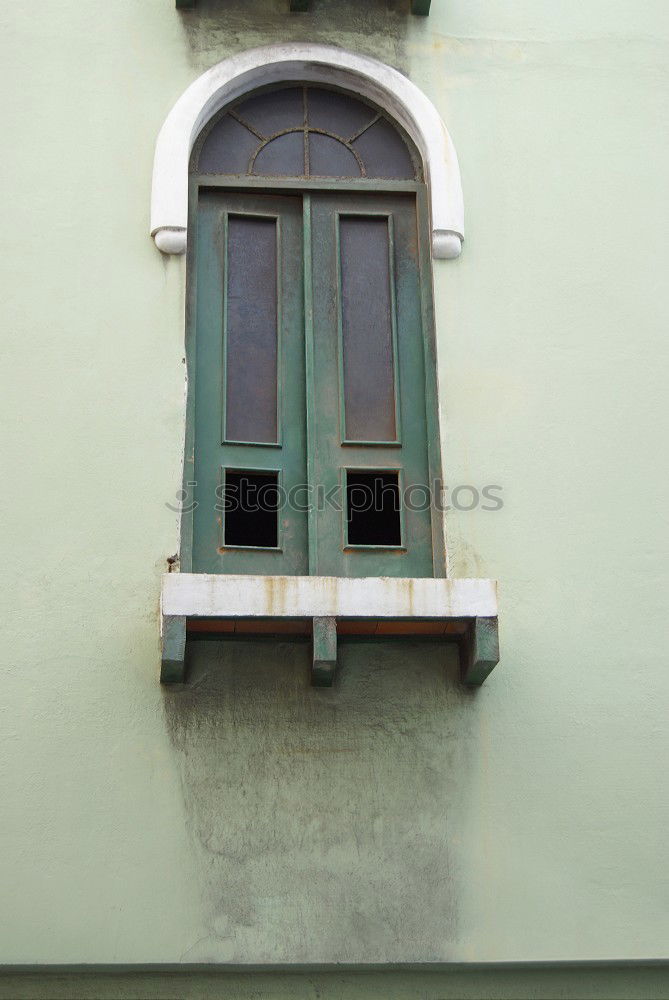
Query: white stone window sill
x: 463, y: 610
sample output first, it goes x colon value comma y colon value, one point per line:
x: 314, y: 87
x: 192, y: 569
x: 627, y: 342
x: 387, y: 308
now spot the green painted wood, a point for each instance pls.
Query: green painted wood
x: 281, y: 184
x: 421, y: 7
x: 312, y: 451
x: 332, y: 457
x: 324, y: 652
x: 481, y: 651
x: 434, y: 451
x: 172, y: 669
x: 211, y: 454
x: 299, y: 5
x: 309, y: 379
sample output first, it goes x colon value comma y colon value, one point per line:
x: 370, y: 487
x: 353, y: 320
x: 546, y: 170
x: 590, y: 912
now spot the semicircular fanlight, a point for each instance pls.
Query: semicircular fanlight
x: 304, y: 132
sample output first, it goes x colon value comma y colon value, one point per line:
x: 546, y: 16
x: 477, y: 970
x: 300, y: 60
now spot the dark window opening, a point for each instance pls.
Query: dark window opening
x: 373, y: 508
x: 251, y: 509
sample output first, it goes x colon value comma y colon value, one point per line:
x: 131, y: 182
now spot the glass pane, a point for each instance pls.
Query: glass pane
x: 383, y: 152
x: 337, y: 113
x: 251, y: 331
x: 367, y: 330
x: 227, y: 149
x: 231, y: 145
x: 373, y: 508
x: 274, y: 111
x: 330, y: 158
x: 282, y: 157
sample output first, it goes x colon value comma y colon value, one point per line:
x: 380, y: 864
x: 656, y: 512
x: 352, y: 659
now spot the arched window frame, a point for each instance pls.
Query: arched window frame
x: 466, y: 608
x: 366, y: 117
x: 300, y: 62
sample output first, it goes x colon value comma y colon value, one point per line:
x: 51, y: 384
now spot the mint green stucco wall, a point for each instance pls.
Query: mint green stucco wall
x: 398, y: 818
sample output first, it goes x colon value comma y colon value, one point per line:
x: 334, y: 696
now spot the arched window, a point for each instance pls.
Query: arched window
x: 314, y: 397
x: 307, y: 132
x: 311, y: 211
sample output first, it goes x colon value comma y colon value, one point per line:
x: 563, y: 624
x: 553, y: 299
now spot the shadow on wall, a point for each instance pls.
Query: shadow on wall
x: 323, y: 819
x: 215, y: 29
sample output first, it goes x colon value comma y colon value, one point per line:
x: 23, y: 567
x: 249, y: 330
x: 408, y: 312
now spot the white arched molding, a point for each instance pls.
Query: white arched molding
x: 299, y: 62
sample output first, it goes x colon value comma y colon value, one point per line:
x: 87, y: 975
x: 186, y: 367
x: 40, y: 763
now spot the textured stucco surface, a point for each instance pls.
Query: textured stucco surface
x: 250, y: 819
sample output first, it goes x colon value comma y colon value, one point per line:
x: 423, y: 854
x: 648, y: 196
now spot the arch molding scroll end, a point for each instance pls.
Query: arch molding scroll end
x: 446, y: 244
x: 170, y: 239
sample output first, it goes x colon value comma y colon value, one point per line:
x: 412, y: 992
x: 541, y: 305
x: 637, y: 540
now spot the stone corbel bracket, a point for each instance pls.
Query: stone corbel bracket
x: 325, y: 607
x: 302, y: 62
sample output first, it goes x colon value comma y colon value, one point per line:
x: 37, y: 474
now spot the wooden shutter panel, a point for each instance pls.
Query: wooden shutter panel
x: 250, y: 448
x: 369, y: 386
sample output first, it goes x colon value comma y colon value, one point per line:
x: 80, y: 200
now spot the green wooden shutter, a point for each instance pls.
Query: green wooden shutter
x: 369, y: 388
x: 331, y: 338
x: 249, y: 381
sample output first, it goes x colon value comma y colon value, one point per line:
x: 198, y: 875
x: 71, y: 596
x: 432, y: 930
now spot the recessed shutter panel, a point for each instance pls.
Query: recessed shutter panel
x: 250, y: 447
x: 369, y: 400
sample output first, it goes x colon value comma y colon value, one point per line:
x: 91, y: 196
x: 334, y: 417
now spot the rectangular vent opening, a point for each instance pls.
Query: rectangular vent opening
x: 251, y: 509
x: 373, y: 508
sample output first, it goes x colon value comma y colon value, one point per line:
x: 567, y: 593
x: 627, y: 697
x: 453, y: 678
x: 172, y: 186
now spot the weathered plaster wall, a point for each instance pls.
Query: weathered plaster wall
x: 252, y: 819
